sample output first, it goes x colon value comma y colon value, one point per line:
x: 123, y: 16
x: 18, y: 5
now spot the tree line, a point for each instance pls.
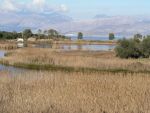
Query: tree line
x: 27, y: 33
x: 51, y: 33
x: 9, y: 35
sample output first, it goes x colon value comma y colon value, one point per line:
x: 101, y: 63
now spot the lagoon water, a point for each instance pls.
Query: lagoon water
x: 2, y: 67
x: 94, y: 38
x: 2, y: 54
x: 12, y: 70
x: 91, y: 47
x: 88, y: 47
x: 67, y: 47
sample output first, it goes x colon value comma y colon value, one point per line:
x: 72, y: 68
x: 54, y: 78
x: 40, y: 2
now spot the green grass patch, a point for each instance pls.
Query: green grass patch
x: 74, y: 69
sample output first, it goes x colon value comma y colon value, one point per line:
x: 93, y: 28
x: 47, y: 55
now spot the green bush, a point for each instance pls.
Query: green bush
x: 128, y: 49
x: 145, y: 47
x: 133, y: 48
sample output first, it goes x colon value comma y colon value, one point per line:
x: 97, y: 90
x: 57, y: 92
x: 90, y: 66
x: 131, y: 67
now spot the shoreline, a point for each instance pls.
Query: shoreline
x: 75, y: 42
x: 12, y: 43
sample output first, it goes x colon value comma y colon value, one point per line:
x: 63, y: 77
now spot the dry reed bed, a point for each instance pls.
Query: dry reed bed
x: 59, y: 92
x: 99, y: 60
x: 8, y: 46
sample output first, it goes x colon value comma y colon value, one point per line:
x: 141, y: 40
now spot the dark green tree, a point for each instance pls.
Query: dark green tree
x: 27, y: 33
x: 39, y: 33
x: 52, y: 32
x: 138, y: 36
x: 1, y: 35
x: 111, y: 36
x: 14, y: 35
x: 80, y: 36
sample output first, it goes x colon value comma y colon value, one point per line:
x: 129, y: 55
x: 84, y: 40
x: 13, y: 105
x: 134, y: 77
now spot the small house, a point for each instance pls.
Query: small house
x: 20, y: 42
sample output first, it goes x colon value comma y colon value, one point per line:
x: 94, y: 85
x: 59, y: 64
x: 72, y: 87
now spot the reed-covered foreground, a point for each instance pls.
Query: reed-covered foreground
x: 60, y: 92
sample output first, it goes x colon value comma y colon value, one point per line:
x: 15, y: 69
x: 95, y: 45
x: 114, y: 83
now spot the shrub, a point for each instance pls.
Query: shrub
x: 128, y: 49
x: 133, y: 48
x: 145, y: 47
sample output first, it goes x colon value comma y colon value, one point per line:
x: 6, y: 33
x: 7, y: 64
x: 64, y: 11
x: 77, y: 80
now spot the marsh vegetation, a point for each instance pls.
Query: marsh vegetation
x: 75, y: 81
x: 38, y: 58
x: 61, y: 92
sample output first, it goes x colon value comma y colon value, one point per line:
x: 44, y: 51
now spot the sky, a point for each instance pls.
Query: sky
x: 72, y: 16
x: 79, y: 9
x: 89, y: 8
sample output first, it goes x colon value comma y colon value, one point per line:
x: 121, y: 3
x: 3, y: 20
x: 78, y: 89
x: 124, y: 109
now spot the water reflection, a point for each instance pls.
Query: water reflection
x: 12, y: 70
x: 20, y: 45
x: 76, y: 47
x: 2, y: 54
x: 89, y: 47
x: 43, y: 45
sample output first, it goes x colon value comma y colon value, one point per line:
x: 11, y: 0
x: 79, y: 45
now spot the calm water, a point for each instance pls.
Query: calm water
x: 89, y: 47
x: 2, y: 67
x: 2, y: 54
x: 68, y: 47
x: 80, y: 47
x: 94, y: 38
x: 13, y: 70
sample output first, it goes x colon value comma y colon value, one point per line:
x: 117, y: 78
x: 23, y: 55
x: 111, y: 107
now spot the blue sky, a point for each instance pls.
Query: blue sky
x: 85, y: 9
x: 89, y: 8
x: 71, y: 16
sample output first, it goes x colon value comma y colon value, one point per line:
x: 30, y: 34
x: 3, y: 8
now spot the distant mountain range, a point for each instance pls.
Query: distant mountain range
x: 99, y: 25
x: 20, y: 21
x: 120, y: 25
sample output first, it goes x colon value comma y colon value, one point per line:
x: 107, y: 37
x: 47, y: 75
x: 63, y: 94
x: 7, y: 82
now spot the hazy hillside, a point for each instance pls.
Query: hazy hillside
x: 121, y: 25
x: 19, y: 21
x: 99, y: 25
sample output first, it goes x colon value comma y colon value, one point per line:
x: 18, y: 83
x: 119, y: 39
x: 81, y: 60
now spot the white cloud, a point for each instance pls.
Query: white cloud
x: 63, y: 8
x: 38, y: 5
x: 38, y: 2
x: 8, y: 5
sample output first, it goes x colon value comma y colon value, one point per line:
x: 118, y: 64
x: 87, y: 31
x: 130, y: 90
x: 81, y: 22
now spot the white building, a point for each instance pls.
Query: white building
x: 20, y: 42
